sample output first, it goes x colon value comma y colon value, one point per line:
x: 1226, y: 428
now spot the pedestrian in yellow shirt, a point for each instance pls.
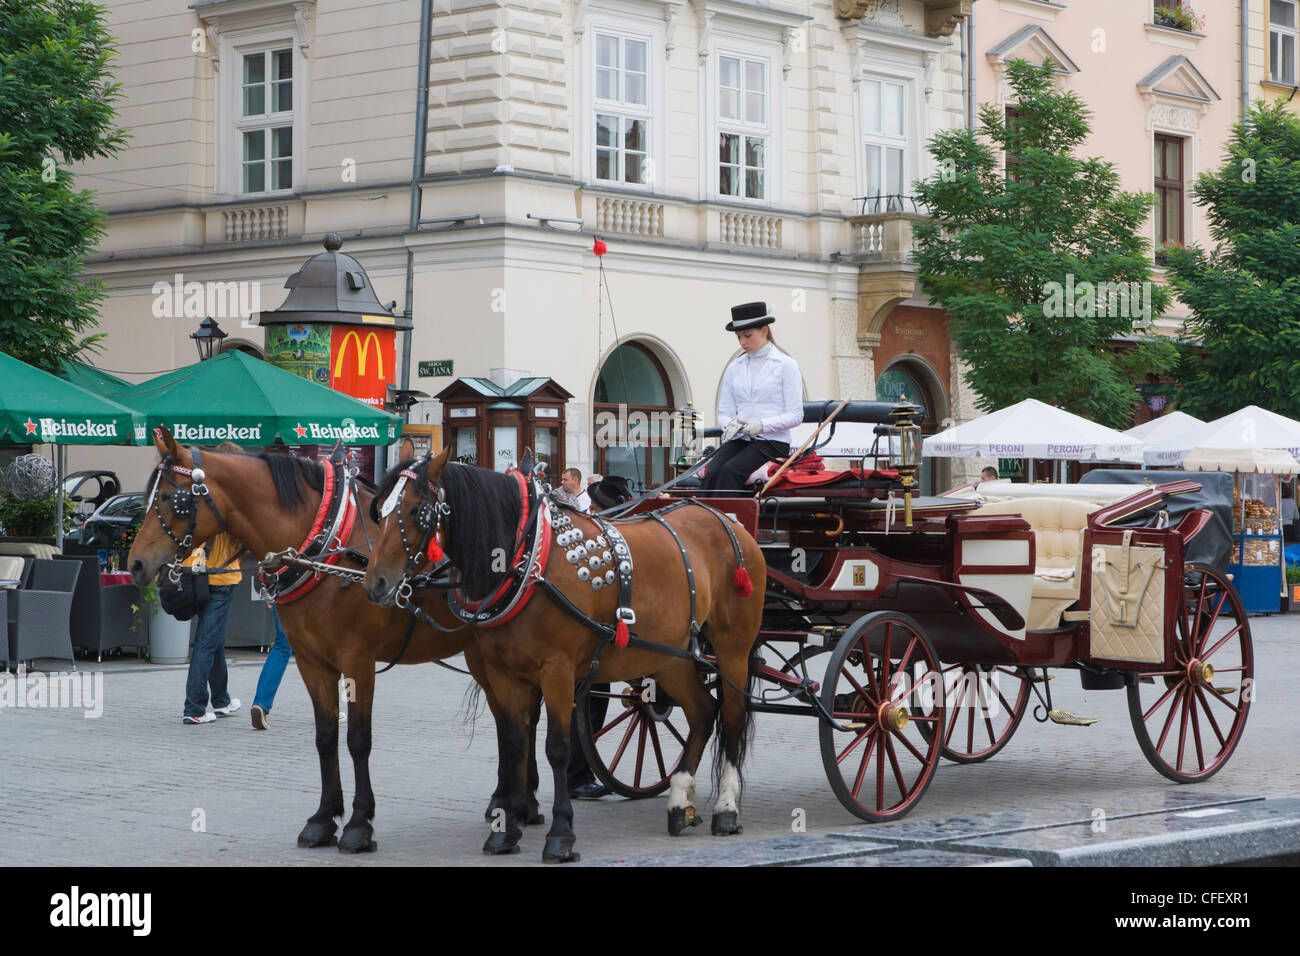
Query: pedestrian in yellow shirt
x: 208, y: 660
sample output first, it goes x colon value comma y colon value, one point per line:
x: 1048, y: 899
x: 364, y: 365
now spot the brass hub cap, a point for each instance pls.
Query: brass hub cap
x: 1199, y: 672
x: 893, y: 717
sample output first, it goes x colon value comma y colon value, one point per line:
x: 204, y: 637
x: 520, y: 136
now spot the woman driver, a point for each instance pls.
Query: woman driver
x: 762, y: 393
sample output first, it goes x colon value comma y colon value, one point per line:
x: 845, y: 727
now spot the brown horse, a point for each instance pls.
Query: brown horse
x: 268, y: 503
x: 542, y: 650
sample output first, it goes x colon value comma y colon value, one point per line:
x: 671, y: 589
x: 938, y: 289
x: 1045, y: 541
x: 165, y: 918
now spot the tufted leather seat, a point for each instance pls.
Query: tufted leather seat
x: 1058, y: 525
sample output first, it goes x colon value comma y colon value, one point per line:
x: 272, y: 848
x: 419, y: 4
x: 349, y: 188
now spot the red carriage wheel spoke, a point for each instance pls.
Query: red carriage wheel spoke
x: 909, y: 745
x: 674, y: 731
x: 866, y: 732
x: 1182, y: 729
x: 883, y: 689
x: 906, y: 658
x: 1227, y: 703
x: 659, y: 756
x: 1208, y: 654
x: 640, y: 754
x: 880, y: 775
x: 631, y: 727
x: 615, y: 722
x: 1196, y: 731
x: 1209, y: 627
x: 1169, y: 721
x: 866, y: 697
x: 1210, y: 717
x: 862, y: 766
x: 984, y: 708
x: 1164, y: 697
x: 893, y: 762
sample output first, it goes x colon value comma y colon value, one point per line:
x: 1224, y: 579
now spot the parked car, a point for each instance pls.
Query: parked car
x: 85, y: 492
x: 104, y: 528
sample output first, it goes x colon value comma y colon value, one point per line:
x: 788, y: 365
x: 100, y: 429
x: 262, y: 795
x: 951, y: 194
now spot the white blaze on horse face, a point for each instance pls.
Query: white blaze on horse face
x: 393, y: 498
x: 681, y: 790
x: 728, y: 790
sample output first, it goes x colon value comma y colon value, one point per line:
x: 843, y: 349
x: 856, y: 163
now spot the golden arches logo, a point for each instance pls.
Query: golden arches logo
x: 363, y: 353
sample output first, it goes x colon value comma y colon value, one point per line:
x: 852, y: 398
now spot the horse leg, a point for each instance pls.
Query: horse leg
x: 680, y: 682
x: 477, y: 669
x: 557, y: 689
x: 733, y: 728
x: 358, y: 834
x: 323, y: 686
x: 515, y: 699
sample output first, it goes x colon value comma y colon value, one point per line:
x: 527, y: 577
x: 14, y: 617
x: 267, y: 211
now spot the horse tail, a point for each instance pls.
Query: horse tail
x: 744, y: 735
x: 471, y: 707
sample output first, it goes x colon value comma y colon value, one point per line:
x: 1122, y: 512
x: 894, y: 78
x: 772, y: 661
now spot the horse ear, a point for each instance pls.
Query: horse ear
x: 338, y: 455
x: 436, y: 464
x: 406, y: 450
x: 165, y: 443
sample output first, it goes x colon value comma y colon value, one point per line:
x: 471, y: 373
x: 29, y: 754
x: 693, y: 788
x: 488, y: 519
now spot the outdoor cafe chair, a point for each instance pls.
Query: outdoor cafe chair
x: 40, y: 615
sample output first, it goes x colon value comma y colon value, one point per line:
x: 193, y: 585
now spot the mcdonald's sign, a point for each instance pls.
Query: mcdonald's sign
x: 363, y: 362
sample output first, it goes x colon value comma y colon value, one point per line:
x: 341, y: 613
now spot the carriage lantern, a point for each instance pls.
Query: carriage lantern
x: 904, y: 417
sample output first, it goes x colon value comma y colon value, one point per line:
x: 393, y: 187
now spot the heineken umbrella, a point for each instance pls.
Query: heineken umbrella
x: 91, y: 378
x: 235, y: 397
x: 39, y: 408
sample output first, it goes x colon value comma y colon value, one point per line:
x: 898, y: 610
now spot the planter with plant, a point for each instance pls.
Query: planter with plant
x: 1180, y: 18
x: 1293, y: 588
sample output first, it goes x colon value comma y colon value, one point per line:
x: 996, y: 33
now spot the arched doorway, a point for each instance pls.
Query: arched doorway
x: 632, y: 416
x: 910, y: 379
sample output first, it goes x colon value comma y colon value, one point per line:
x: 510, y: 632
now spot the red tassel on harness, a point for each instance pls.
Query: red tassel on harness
x: 621, y: 634
x: 435, y: 549
x: 744, y: 586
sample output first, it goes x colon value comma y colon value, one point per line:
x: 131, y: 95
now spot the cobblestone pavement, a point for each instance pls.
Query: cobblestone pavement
x: 133, y: 786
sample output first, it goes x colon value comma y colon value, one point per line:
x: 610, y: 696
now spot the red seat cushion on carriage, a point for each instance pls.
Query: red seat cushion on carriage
x: 812, y: 473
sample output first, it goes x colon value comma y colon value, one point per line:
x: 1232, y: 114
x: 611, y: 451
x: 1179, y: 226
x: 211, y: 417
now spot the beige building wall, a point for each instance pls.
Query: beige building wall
x: 510, y: 145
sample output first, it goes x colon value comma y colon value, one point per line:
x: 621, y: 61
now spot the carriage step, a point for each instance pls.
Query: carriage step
x: 1040, y: 678
x: 1069, y: 720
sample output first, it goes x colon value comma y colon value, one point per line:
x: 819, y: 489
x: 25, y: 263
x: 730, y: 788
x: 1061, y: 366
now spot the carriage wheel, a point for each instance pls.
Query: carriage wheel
x: 881, y: 686
x: 985, y: 705
x: 640, y: 742
x: 1189, y: 719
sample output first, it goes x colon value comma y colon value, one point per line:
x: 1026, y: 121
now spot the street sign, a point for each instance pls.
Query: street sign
x: 433, y: 369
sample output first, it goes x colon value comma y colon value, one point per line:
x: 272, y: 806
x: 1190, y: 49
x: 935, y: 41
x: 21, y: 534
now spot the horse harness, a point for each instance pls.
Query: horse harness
x: 182, y: 505
x: 538, y: 517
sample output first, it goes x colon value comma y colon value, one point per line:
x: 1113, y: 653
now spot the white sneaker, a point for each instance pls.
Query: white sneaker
x: 229, y: 709
x: 203, y: 719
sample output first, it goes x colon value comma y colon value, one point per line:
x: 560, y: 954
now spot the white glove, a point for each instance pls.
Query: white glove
x: 731, y: 431
x: 751, y: 427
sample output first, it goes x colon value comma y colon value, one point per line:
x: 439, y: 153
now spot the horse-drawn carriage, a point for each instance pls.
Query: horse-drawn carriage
x: 916, y: 628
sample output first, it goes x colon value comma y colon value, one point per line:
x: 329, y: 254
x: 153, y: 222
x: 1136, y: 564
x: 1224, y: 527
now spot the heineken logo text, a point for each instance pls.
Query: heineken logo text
x: 202, y: 433
x: 51, y: 429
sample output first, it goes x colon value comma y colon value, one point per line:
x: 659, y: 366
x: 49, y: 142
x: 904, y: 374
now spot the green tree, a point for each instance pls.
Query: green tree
x: 56, y: 108
x: 1040, y: 271
x: 1244, y: 295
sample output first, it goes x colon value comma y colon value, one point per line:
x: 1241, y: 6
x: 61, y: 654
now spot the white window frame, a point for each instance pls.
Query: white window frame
x: 884, y: 140
x: 773, y: 129
x: 229, y: 122
x: 1284, y: 32
x: 640, y: 21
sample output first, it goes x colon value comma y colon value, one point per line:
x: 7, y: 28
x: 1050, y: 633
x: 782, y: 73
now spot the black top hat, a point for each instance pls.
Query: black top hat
x: 609, y: 492
x: 751, y: 315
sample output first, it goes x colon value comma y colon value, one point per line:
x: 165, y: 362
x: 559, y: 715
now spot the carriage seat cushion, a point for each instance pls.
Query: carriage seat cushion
x: 1058, y: 525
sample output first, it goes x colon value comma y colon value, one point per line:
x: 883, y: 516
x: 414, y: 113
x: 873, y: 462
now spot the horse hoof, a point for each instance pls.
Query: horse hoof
x: 499, y: 844
x: 679, y: 818
x: 559, y: 849
x: 358, y: 840
x: 726, y: 823
x: 317, y: 834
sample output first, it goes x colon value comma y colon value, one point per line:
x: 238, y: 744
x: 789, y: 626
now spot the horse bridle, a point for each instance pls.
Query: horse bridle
x: 182, y: 505
x: 432, y: 509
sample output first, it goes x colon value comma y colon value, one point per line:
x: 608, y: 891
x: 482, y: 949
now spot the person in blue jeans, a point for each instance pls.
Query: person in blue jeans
x: 208, y: 660
x: 269, y: 680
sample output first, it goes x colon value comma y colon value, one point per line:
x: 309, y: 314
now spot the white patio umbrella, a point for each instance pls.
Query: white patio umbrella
x: 1032, y: 429
x: 1164, y: 429
x: 1249, y: 428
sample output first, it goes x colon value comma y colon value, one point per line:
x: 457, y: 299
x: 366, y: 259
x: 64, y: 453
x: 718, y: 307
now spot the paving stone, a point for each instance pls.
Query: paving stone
x: 1208, y: 836
x: 782, y: 851
x: 930, y: 857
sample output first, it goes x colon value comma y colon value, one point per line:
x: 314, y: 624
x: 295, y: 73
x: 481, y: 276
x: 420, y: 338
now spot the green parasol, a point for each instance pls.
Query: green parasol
x: 39, y: 408
x: 235, y: 397
x: 91, y: 378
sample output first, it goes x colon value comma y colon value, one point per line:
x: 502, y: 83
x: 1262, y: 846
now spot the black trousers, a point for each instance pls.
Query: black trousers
x: 735, y: 461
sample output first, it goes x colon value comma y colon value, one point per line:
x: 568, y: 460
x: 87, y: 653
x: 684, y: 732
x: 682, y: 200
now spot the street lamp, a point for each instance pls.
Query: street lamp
x: 207, y: 338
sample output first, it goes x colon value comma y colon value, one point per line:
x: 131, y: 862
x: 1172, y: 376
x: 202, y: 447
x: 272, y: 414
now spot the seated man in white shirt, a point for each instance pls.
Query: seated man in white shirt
x: 571, y: 481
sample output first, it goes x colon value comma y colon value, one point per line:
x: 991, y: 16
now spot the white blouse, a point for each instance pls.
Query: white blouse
x: 765, y: 385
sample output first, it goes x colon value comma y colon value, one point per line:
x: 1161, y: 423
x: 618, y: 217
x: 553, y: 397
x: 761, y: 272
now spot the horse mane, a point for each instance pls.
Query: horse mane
x: 289, y: 473
x: 484, y: 523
